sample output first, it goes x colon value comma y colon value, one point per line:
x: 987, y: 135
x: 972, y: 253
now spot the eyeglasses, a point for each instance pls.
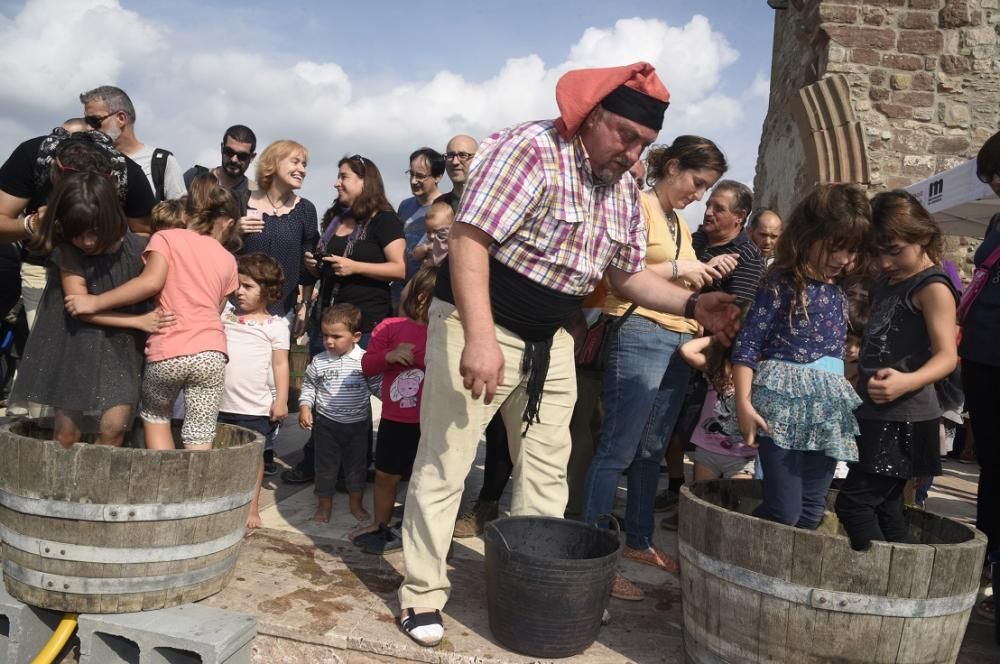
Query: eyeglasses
x: 413, y: 175
x: 461, y: 156
x: 229, y: 153
x: 95, y: 122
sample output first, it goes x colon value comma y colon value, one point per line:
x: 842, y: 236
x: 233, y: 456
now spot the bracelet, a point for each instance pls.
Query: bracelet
x: 673, y: 265
x: 27, y: 224
x: 689, y: 307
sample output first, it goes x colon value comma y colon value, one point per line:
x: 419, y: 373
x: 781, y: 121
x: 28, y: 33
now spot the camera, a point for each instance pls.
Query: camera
x: 320, y: 255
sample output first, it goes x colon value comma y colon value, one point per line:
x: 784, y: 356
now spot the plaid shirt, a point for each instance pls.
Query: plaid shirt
x: 535, y: 195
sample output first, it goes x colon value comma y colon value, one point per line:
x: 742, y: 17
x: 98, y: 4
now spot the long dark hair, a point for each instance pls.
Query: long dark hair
x: 837, y: 216
x: 691, y: 153
x: 79, y: 203
x: 898, y: 215
x: 372, y: 198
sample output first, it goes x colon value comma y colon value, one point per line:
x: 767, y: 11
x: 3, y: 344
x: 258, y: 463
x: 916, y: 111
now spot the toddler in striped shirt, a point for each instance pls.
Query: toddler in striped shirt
x: 335, y: 404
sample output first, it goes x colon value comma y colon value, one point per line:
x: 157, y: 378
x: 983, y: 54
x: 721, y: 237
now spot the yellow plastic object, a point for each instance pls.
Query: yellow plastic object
x: 58, y: 641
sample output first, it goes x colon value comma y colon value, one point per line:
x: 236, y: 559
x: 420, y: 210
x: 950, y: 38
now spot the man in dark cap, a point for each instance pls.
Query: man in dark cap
x: 545, y: 213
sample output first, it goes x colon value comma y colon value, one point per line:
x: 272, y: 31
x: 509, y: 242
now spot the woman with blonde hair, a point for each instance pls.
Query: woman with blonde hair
x: 282, y: 225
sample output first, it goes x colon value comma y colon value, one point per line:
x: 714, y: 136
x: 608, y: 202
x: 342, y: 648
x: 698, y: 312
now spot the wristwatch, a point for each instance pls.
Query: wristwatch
x: 689, y: 306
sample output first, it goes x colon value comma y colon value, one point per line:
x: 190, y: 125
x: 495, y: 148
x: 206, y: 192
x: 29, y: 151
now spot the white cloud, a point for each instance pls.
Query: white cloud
x: 761, y: 86
x: 188, y: 89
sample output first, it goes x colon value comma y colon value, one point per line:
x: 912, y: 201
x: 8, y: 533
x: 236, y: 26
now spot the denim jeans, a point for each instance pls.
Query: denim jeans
x: 796, y: 483
x: 643, y: 390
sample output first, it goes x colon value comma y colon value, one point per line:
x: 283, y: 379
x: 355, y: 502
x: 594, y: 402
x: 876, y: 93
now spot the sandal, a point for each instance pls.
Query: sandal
x: 622, y: 588
x: 424, y: 628
x: 652, y: 557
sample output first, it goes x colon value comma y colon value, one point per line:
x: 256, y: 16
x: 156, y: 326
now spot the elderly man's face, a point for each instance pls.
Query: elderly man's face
x: 613, y: 144
x: 765, y: 232
x: 721, y: 223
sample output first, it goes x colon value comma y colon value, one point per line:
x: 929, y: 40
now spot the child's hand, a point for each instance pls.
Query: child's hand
x: 887, y: 385
x: 305, y: 417
x: 401, y: 354
x: 156, y: 320
x: 81, y: 305
x: 420, y: 251
x: 750, y: 421
x: 279, y: 411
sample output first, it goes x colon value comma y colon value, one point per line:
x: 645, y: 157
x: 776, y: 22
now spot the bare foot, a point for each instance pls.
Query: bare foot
x: 253, y: 520
x: 362, y: 530
x: 323, y: 510
x: 360, y: 513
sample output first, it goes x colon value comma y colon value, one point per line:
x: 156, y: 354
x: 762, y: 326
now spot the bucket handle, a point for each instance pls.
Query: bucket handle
x: 500, y: 533
x: 610, y: 517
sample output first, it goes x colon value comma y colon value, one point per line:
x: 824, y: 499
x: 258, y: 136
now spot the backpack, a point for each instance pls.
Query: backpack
x: 158, y: 169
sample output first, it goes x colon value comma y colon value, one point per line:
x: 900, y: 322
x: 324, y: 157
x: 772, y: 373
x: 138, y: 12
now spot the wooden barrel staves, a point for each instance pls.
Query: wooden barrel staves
x: 96, y: 529
x: 758, y: 591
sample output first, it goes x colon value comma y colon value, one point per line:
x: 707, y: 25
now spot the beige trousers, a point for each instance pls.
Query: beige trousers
x: 451, y: 424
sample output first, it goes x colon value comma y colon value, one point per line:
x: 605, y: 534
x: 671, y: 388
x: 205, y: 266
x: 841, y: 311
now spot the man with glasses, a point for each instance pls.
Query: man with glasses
x: 109, y: 110
x: 238, y: 145
x: 457, y: 159
x: 426, y: 169
x: 546, y: 213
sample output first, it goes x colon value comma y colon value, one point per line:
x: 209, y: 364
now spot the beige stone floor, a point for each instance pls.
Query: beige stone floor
x: 317, y: 598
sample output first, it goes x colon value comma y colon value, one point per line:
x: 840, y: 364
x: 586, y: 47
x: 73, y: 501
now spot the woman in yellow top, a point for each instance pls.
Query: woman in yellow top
x: 645, y: 378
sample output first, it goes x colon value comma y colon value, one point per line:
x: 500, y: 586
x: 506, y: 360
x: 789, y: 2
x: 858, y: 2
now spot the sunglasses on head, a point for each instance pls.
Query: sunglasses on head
x: 229, y: 153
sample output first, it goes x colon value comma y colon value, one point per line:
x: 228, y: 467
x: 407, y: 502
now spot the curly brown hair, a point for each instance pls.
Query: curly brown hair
x: 266, y: 272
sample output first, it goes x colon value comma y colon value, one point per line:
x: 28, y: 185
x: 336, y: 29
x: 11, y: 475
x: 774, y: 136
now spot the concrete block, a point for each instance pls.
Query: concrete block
x: 187, y: 634
x: 24, y: 629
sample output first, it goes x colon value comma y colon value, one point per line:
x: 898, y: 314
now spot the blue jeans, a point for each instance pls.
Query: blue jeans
x: 643, y: 390
x: 795, y: 484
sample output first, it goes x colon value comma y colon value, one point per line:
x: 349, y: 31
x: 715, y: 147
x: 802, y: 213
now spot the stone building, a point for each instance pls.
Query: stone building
x: 883, y: 92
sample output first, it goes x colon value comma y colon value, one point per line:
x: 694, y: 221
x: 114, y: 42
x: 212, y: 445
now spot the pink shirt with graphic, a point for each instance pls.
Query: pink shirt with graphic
x: 402, y: 386
x: 710, y: 432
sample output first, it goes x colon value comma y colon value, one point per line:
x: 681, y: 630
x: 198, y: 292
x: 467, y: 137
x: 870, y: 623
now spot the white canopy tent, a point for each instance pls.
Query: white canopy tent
x: 961, y: 204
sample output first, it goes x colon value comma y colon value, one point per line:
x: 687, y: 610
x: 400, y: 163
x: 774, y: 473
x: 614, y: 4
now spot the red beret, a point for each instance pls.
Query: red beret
x: 579, y: 91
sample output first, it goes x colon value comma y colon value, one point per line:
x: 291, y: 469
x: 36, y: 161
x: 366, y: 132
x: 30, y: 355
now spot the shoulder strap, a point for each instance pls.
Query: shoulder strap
x: 158, y: 169
x: 991, y: 259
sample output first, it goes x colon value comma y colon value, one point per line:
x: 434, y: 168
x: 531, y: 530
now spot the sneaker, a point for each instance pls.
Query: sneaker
x: 474, y: 521
x: 295, y: 476
x: 383, y: 541
x: 666, y: 501
x: 669, y: 522
x: 270, y: 469
x: 622, y: 588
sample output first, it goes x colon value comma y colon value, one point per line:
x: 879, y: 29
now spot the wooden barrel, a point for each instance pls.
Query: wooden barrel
x: 97, y: 529
x: 758, y: 591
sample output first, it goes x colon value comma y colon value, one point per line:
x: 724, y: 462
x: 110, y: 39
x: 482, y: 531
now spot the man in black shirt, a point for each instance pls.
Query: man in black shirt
x: 722, y: 232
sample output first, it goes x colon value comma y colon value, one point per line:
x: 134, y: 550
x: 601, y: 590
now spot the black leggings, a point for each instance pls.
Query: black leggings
x: 870, y: 507
x: 982, y: 399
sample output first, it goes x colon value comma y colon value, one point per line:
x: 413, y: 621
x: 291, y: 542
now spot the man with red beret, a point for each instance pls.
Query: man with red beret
x: 545, y: 213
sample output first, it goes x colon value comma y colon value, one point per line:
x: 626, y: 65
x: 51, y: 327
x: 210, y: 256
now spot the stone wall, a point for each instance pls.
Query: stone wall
x: 923, y: 83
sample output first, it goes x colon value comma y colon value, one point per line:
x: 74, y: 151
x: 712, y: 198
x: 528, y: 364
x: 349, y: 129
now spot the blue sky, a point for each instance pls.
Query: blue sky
x: 381, y: 78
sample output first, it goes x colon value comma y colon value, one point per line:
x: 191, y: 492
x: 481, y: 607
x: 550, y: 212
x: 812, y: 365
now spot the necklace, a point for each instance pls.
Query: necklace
x: 274, y: 207
x: 672, y: 225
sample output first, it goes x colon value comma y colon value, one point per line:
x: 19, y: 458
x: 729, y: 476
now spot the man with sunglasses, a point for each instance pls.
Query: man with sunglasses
x: 238, y: 145
x: 110, y: 110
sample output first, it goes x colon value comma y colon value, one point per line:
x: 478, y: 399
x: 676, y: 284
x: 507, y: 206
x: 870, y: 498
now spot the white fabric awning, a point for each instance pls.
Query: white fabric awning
x: 961, y: 204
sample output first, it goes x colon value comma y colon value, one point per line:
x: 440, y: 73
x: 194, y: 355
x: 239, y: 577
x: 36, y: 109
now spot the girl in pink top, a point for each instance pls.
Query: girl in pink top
x: 192, y: 271
x: 396, y: 351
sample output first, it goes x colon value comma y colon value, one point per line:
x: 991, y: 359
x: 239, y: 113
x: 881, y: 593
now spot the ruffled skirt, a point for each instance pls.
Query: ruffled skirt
x: 807, y: 407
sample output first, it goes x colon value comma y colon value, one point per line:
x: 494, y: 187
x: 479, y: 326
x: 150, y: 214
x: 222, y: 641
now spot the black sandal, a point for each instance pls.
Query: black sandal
x: 429, y: 619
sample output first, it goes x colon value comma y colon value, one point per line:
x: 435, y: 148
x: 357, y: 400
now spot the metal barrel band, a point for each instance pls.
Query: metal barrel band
x: 116, y: 555
x: 827, y: 600
x: 62, y: 509
x: 78, y: 585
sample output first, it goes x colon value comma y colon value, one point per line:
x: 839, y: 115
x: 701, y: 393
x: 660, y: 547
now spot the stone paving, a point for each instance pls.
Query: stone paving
x: 317, y: 598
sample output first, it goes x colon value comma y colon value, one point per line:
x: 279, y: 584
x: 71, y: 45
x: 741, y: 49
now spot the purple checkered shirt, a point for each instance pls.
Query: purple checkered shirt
x: 534, y: 194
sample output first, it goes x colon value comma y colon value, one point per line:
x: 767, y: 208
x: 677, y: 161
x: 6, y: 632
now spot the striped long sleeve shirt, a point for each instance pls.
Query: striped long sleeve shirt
x: 335, y: 387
